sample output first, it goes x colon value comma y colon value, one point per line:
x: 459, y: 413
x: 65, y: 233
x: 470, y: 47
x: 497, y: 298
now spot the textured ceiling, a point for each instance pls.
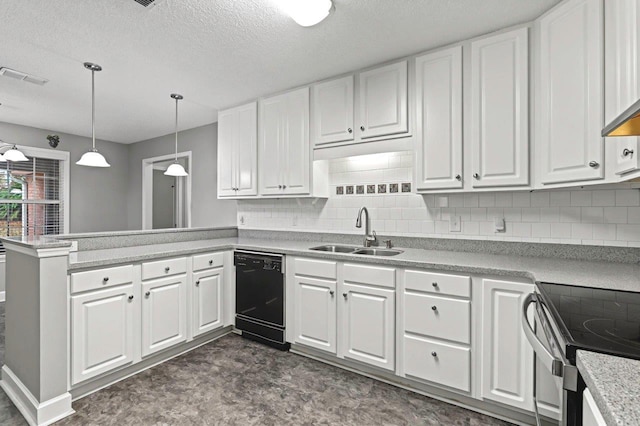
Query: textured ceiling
x: 217, y: 53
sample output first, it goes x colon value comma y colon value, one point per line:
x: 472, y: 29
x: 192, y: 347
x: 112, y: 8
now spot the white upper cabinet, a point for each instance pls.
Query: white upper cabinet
x: 283, y: 144
x: 237, y: 151
x: 383, y: 101
x: 500, y: 109
x: 622, y: 78
x: 439, y: 123
x: 569, y: 108
x: 332, y: 111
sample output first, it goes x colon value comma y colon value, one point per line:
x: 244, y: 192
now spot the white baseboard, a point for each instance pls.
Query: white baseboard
x: 35, y: 413
x: 3, y: 296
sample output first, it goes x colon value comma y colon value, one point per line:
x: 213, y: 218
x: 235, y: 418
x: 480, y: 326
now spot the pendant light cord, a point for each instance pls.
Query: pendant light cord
x: 93, y: 109
x: 176, y: 158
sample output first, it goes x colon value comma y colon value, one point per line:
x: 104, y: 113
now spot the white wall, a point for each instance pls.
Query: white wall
x: 206, y: 209
x: 578, y: 216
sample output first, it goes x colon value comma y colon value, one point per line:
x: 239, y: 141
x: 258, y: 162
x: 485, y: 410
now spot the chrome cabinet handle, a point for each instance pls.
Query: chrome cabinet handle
x: 434, y: 308
x: 434, y: 354
x: 105, y: 279
x: 350, y: 130
x: 167, y: 269
x: 627, y: 152
x: 131, y: 297
x: 344, y: 295
x: 284, y: 186
x: 593, y: 164
x: 211, y: 262
x: 148, y: 294
x: 435, y: 285
x: 331, y: 292
x: 362, y: 128
x: 458, y: 177
x: 476, y: 176
x: 198, y: 282
x: 279, y: 186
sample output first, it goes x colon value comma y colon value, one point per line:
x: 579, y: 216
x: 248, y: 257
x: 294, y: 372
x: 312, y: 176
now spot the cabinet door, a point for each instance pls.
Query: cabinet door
x: 315, y: 313
x: 622, y: 77
x: 227, y: 128
x: 164, y: 316
x: 569, y: 113
x: 271, y: 127
x: 507, y: 357
x: 439, y: 111
x: 368, y: 324
x: 382, y: 101
x: 207, y: 300
x: 246, y: 150
x: 101, y: 332
x: 296, y: 165
x: 333, y: 111
x: 500, y: 109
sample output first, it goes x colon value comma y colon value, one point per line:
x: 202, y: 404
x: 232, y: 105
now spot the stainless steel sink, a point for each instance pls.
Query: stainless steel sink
x: 377, y: 252
x: 335, y: 248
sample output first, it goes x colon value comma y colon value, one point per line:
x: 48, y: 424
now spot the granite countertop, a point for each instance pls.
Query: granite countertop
x: 40, y: 242
x: 614, y: 383
x: 620, y: 276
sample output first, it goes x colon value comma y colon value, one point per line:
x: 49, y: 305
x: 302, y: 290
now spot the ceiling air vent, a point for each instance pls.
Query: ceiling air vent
x: 19, y: 75
x: 148, y: 3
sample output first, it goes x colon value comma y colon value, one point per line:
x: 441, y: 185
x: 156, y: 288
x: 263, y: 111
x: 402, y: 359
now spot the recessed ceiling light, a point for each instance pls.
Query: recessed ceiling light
x: 19, y: 75
x: 307, y: 12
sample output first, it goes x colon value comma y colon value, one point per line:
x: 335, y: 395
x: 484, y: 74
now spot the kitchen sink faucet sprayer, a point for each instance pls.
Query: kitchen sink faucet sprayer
x: 369, y: 236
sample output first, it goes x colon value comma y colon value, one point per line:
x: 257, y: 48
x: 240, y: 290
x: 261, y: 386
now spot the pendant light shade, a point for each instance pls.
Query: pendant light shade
x: 13, y: 154
x: 308, y: 13
x: 176, y: 168
x: 93, y: 158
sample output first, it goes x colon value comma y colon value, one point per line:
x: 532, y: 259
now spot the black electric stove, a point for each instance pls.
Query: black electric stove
x: 599, y: 320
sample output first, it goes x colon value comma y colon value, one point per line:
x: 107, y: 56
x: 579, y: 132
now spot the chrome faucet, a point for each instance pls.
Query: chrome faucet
x: 369, y: 236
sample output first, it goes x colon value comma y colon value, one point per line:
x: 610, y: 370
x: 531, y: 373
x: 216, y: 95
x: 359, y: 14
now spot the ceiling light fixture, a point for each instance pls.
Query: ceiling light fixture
x: 307, y: 12
x: 93, y: 158
x: 12, y: 153
x: 176, y: 168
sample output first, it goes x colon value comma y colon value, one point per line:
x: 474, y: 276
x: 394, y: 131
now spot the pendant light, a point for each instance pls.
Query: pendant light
x: 308, y: 13
x: 13, y: 154
x: 176, y: 168
x: 93, y: 158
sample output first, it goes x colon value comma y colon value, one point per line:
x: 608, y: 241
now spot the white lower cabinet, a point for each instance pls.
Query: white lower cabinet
x: 591, y: 415
x: 102, y: 331
x: 315, y: 313
x: 507, y: 357
x: 368, y: 315
x: 207, y: 310
x: 164, y: 313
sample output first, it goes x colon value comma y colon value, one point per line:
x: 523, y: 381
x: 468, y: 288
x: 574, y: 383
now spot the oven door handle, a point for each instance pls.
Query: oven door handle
x: 553, y: 364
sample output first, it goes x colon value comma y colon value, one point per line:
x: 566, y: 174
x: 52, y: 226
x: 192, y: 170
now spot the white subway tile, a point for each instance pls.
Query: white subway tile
x: 628, y: 197
x: 603, y: 198
x: 541, y: 230
x: 615, y: 215
x: 521, y: 229
x: 539, y: 199
x: 560, y: 198
x: 471, y: 200
x: 633, y: 215
x: 580, y: 198
x: 504, y: 199
x: 604, y: 231
x: 561, y: 230
x: 592, y: 214
x: 628, y: 232
x: 582, y: 231
x: 521, y: 199
x: 531, y: 214
x: 487, y: 200
x: 570, y: 214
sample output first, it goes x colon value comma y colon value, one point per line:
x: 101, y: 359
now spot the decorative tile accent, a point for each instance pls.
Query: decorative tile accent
x: 349, y: 189
x: 371, y: 189
x: 382, y: 188
x: 339, y: 190
x: 393, y: 187
x: 406, y: 187
x: 360, y: 189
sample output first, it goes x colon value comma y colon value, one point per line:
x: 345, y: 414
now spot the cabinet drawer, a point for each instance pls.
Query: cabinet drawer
x: 164, y: 268
x: 437, y: 362
x: 437, y: 317
x: 209, y: 260
x: 101, y: 278
x: 452, y: 285
x: 374, y: 275
x: 316, y: 268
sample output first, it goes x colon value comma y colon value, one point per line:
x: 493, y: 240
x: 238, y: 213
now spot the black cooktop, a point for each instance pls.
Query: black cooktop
x: 606, y: 321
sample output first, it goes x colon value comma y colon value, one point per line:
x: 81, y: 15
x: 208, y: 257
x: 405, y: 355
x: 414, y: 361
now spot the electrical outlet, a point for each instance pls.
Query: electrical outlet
x: 499, y: 224
x: 241, y: 220
x: 455, y: 224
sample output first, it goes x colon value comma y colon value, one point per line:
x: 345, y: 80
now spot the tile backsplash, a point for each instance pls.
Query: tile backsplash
x: 574, y: 216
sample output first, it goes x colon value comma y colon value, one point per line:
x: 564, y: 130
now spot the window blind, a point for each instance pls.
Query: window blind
x: 31, y: 201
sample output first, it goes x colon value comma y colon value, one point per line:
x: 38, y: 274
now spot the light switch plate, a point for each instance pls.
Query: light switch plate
x: 499, y: 224
x: 455, y: 224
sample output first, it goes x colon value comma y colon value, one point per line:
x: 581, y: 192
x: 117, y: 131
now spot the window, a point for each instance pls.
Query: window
x: 32, y: 194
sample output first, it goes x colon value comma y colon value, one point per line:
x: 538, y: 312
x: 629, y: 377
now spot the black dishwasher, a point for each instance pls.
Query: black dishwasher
x: 260, y: 297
